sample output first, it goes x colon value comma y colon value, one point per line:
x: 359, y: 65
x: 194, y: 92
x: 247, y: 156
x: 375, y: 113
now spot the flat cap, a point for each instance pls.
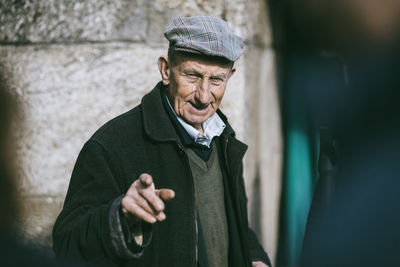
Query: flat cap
x: 204, y: 35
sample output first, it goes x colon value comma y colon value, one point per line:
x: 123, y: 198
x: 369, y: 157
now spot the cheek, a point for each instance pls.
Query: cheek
x: 185, y: 90
x: 218, y: 94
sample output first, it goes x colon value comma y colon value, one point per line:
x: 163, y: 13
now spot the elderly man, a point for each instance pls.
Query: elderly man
x: 162, y: 185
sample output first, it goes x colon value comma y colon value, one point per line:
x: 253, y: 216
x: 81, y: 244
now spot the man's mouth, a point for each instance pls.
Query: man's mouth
x: 199, y: 106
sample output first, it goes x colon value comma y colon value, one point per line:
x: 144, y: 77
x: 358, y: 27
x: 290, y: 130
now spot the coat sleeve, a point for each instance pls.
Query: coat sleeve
x: 91, y: 227
x: 257, y: 252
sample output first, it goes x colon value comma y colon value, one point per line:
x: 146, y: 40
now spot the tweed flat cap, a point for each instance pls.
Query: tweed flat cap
x: 204, y: 35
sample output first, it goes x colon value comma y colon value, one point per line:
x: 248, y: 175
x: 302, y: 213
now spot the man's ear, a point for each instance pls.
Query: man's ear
x: 233, y: 70
x: 165, y: 70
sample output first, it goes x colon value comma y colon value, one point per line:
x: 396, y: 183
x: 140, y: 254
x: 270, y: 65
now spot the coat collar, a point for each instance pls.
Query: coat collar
x: 156, y: 122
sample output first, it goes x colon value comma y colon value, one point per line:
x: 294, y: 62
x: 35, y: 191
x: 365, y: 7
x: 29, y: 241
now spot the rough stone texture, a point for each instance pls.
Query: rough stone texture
x: 250, y: 19
x: 77, y: 64
x: 40, y: 213
x: 161, y: 13
x: 71, y: 21
x: 262, y: 125
x: 67, y: 92
x: 270, y: 152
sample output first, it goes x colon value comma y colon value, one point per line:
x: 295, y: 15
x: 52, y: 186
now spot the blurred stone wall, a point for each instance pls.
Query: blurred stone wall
x: 76, y: 64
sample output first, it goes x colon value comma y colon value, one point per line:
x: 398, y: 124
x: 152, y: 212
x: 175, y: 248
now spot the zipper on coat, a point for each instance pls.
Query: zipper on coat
x: 195, y: 205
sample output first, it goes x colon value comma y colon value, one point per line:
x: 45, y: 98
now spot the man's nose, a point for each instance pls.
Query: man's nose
x: 203, y: 93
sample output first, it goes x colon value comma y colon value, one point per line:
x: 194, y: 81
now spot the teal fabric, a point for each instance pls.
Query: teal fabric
x: 298, y: 192
x: 299, y: 173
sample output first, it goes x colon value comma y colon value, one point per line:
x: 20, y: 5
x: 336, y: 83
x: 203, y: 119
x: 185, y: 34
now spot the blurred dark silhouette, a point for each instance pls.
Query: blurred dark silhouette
x: 8, y: 198
x: 358, y: 225
x: 13, y: 251
x: 344, y: 55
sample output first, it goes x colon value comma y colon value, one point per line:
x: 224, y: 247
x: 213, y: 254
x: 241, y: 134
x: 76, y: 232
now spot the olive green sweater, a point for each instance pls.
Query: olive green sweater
x: 209, y: 190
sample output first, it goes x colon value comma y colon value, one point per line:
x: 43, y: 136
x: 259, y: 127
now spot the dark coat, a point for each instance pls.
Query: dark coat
x: 144, y: 140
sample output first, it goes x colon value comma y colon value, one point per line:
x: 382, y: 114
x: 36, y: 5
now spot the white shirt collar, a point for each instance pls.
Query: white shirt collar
x: 213, y: 126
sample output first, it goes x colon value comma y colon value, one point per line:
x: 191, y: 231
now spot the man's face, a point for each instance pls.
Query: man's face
x: 196, y: 88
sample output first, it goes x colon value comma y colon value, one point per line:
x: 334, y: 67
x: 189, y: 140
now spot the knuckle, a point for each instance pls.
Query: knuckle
x: 146, y: 192
x: 134, y: 187
x: 136, y: 211
x: 124, y: 201
x: 135, y: 183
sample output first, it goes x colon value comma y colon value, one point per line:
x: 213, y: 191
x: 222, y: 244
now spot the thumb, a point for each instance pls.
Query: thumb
x: 165, y: 194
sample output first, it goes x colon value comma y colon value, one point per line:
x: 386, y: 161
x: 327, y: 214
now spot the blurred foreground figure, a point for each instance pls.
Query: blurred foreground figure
x: 162, y: 184
x: 12, y: 252
x: 358, y: 224
x: 346, y: 26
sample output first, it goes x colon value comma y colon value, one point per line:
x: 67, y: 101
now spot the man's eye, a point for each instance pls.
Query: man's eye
x: 192, y: 76
x: 216, y: 80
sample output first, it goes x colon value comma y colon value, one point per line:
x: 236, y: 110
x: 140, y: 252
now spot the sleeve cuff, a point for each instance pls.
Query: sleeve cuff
x: 122, y: 239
